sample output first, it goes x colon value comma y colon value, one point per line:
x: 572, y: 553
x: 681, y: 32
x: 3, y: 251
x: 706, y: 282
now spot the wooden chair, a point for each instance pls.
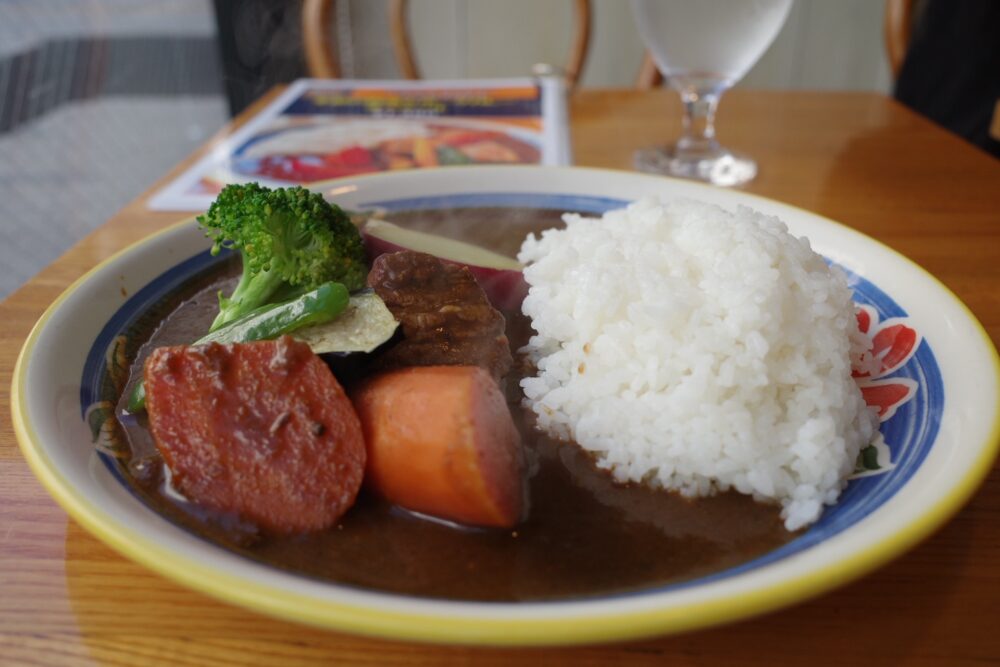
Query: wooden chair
x: 897, y: 29
x: 321, y: 60
x: 649, y: 74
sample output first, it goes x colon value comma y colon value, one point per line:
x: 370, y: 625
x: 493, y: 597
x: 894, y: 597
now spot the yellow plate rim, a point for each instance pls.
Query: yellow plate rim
x: 461, y: 629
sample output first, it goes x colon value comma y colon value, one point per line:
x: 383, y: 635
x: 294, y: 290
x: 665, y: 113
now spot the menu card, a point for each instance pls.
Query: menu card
x: 319, y: 129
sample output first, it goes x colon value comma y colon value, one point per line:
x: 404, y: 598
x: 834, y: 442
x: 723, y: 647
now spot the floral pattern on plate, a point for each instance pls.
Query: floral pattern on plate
x: 893, y: 344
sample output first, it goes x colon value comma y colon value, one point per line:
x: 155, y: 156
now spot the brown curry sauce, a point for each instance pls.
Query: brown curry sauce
x: 585, y: 535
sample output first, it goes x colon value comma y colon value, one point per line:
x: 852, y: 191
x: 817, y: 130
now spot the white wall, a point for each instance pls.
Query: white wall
x: 825, y: 44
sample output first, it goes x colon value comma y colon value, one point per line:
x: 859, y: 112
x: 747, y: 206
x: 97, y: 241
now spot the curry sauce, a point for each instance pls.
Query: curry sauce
x: 584, y: 535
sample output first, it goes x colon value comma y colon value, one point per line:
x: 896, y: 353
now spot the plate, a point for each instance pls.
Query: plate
x: 940, y: 391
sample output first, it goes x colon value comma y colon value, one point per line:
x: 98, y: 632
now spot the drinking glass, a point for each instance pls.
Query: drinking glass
x: 703, y: 47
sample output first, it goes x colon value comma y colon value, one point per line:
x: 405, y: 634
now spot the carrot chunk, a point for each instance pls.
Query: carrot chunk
x: 262, y: 430
x: 441, y: 441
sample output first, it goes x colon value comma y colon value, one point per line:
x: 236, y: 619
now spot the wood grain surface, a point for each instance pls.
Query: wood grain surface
x: 66, y: 598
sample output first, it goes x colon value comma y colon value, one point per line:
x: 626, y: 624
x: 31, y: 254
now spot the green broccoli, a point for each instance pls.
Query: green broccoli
x: 291, y: 241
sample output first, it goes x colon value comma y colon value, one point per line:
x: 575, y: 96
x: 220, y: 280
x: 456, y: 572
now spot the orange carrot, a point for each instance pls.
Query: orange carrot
x: 441, y: 441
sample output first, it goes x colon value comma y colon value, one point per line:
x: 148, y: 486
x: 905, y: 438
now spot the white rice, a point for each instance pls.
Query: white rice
x: 699, y: 350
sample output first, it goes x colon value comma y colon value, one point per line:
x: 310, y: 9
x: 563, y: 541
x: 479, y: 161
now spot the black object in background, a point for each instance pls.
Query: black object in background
x: 951, y: 73
x: 260, y: 43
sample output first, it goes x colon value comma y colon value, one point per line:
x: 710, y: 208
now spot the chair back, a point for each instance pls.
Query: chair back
x: 321, y: 60
x: 897, y: 30
x: 649, y: 74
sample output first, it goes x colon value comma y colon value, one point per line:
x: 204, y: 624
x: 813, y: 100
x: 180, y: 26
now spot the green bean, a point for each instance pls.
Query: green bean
x: 320, y: 305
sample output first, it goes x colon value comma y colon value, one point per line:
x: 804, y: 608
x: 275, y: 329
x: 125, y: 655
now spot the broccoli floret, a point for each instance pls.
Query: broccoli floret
x: 291, y: 241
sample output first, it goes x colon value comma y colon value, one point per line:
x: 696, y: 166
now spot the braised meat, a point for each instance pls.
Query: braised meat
x: 445, y: 316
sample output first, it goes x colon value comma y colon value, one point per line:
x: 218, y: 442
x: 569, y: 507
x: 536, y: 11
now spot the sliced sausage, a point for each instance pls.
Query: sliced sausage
x: 261, y: 429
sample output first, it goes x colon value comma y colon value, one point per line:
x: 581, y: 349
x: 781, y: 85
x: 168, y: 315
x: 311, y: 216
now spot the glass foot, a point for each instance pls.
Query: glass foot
x: 722, y: 167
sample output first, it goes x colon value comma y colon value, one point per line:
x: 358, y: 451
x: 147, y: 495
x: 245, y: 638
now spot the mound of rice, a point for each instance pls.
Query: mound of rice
x: 699, y: 350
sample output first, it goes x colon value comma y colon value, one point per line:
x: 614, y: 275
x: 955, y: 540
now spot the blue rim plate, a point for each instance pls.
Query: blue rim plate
x: 940, y: 427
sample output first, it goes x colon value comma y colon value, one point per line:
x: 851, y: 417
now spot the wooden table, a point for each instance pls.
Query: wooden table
x: 66, y: 598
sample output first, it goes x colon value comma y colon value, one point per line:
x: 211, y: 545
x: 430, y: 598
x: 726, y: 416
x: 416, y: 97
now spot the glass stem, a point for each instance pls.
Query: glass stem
x: 699, y: 122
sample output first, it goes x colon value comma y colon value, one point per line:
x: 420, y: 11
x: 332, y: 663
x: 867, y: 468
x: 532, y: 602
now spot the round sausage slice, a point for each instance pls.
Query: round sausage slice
x: 261, y: 429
